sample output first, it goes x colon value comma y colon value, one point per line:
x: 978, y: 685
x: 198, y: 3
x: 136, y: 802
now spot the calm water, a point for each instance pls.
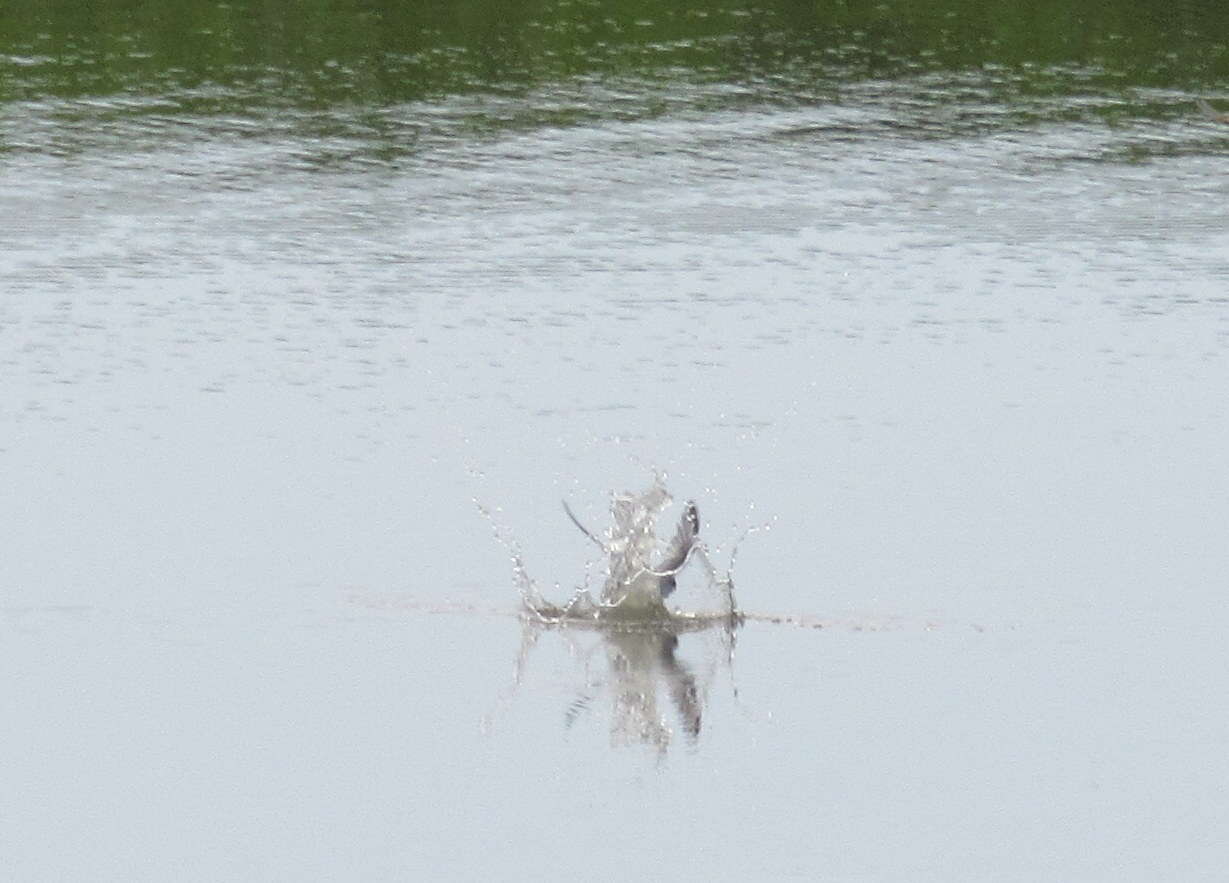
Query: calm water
x: 940, y: 290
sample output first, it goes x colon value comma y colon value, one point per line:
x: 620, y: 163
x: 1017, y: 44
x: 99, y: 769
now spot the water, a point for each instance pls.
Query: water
x: 938, y: 292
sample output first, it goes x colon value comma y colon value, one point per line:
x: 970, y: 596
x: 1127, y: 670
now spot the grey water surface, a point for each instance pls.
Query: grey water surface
x: 959, y: 336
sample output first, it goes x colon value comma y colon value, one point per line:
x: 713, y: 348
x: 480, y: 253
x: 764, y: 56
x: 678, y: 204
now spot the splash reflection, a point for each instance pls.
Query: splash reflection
x: 655, y: 680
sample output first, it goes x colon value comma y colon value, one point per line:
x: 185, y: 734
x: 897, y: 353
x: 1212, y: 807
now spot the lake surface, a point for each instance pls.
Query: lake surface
x: 937, y: 292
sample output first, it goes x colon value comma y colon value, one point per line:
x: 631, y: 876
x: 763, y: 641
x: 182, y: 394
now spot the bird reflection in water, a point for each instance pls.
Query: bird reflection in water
x: 639, y: 673
x: 639, y: 663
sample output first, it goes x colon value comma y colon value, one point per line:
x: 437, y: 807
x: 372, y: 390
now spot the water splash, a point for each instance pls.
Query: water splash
x: 641, y: 570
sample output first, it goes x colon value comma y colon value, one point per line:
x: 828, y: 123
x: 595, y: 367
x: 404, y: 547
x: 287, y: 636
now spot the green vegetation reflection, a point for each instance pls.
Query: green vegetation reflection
x: 312, y: 53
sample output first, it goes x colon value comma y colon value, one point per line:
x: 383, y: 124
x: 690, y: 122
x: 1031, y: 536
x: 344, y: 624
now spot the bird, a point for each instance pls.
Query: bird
x: 679, y: 549
x: 628, y: 544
